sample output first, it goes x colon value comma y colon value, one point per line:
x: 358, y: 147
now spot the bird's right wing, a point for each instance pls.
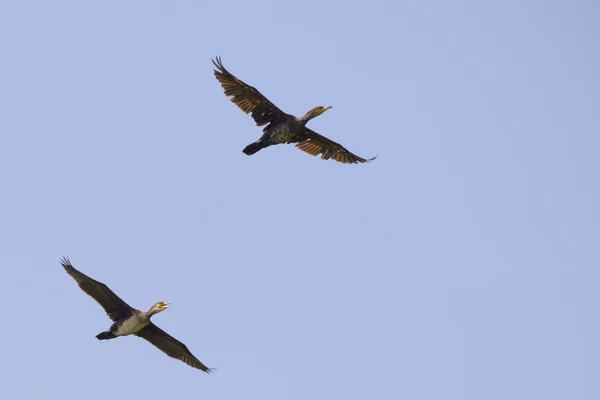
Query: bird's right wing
x: 171, y: 346
x: 314, y: 144
x: 112, y: 304
x: 246, y: 97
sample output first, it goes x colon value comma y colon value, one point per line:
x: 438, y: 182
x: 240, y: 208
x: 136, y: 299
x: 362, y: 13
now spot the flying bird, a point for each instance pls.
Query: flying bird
x: 281, y: 127
x: 129, y: 321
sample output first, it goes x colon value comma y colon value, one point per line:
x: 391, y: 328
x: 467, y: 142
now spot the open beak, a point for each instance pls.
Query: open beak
x: 166, y: 305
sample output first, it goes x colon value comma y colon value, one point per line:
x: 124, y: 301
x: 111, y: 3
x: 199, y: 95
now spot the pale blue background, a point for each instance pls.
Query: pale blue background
x: 461, y: 264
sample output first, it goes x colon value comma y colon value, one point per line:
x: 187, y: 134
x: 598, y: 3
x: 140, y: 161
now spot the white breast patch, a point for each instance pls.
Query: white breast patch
x: 129, y: 327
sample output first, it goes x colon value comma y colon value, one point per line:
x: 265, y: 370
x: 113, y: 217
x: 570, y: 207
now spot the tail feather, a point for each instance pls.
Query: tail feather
x: 254, y: 147
x: 105, y: 335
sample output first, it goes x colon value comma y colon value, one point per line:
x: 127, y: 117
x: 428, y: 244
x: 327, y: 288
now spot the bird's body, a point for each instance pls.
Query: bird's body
x: 131, y: 325
x: 284, y: 132
x: 280, y: 127
x: 127, y: 326
x: 129, y: 321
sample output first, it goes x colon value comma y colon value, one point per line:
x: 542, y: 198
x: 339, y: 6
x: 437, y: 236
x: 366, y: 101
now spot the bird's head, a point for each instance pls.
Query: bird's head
x: 315, y: 112
x: 160, y: 306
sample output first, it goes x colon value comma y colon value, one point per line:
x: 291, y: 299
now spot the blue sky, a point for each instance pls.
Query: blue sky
x: 461, y: 264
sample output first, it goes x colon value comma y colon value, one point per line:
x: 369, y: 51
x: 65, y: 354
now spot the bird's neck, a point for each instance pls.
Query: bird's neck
x: 306, y: 118
x: 150, y: 313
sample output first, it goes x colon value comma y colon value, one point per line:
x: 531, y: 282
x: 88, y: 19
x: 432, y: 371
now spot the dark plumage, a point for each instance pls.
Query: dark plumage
x: 129, y: 321
x: 280, y: 127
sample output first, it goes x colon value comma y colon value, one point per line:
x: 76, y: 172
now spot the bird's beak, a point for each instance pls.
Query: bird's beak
x: 166, y: 305
x: 322, y: 110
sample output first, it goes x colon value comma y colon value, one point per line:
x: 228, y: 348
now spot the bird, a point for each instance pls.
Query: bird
x: 281, y: 127
x: 129, y: 321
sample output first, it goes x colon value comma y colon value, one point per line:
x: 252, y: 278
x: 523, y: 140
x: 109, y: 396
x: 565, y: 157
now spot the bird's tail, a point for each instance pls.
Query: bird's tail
x: 254, y: 147
x: 105, y: 335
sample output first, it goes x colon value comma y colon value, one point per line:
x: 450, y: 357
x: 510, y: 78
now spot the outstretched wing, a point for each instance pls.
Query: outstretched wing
x: 113, y: 305
x: 246, y: 97
x: 314, y: 144
x: 171, y: 346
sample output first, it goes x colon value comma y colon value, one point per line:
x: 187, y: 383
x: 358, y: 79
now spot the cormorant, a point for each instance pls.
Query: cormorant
x: 281, y: 127
x: 129, y: 321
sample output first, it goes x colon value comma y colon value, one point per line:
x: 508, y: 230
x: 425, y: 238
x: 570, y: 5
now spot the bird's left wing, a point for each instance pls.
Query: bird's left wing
x: 171, y: 346
x: 246, y: 97
x: 114, y: 306
x: 314, y: 144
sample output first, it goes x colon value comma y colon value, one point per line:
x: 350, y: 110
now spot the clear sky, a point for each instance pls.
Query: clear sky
x: 462, y: 264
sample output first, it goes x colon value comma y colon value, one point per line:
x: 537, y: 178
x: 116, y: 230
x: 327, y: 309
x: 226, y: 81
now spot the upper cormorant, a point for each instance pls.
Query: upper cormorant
x: 281, y: 127
x: 129, y: 321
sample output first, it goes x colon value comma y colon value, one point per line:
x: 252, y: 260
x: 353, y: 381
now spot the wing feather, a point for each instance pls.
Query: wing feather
x: 171, y: 346
x: 114, y: 306
x: 314, y: 144
x: 246, y: 97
